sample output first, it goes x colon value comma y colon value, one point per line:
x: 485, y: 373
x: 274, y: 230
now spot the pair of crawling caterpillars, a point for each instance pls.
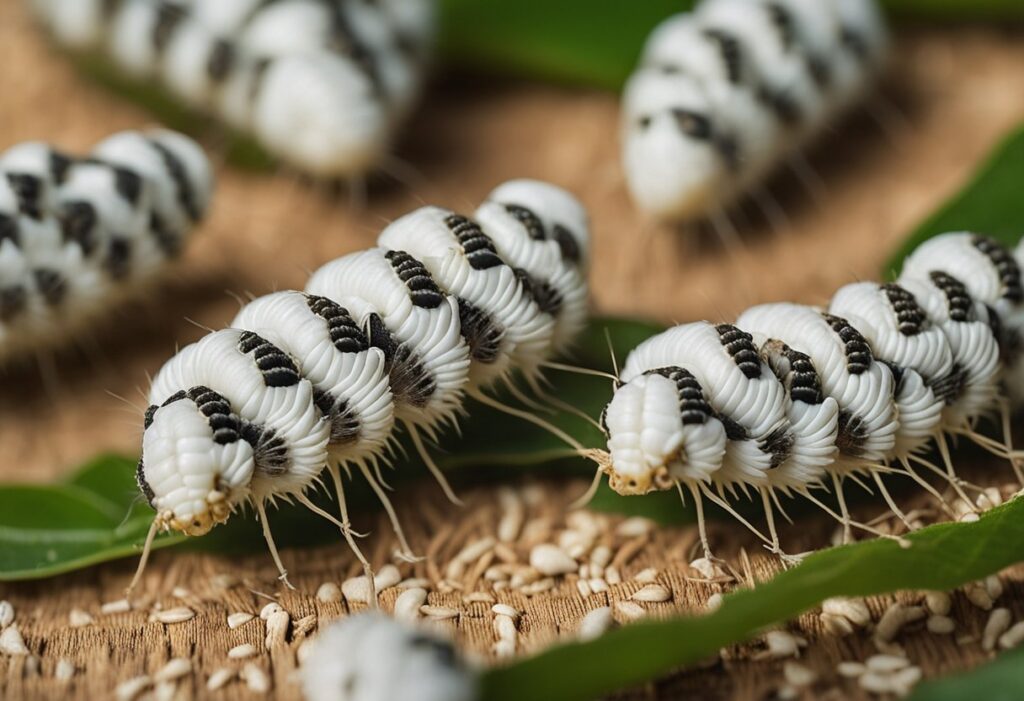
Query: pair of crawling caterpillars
x: 793, y: 396
x: 321, y: 84
x: 726, y: 93
x: 302, y: 381
x: 77, y: 234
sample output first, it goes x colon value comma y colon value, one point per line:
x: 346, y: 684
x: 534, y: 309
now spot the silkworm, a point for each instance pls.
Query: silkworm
x: 78, y: 234
x: 321, y: 84
x: 726, y: 93
x: 369, y: 656
x: 307, y: 381
x: 791, y: 395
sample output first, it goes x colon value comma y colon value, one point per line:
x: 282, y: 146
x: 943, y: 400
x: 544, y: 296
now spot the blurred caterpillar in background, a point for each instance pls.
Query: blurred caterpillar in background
x: 728, y: 92
x: 78, y: 234
x: 792, y: 397
x: 446, y: 306
x: 320, y: 84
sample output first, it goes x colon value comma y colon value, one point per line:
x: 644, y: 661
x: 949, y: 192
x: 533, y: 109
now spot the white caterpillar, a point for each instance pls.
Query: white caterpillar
x: 801, y: 394
x: 370, y: 657
x: 311, y: 380
x: 79, y: 233
x: 321, y: 84
x: 726, y: 93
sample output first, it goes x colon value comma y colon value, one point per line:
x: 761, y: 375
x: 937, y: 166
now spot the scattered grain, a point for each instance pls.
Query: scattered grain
x: 797, y: 675
x: 181, y: 593
x: 1013, y: 637
x: 277, y: 629
x: 941, y: 625
x: 629, y: 610
x: 239, y: 618
x: 387, y: 577
x: 894, y: 618
x: 977, y: 594
x: 886, y: 664
x: 506, y: 610
x: 714, y: 602
x: 595, y: 623
x: 998, y: 623
x: 6, y: 614
x: 551, y: 560
x: 633, y: 527
x: 850, y: 669
x: 994, y: 586
x: 408, y: 603
x: 11, y: 641
x: 130, y: 690
x: 611, y: 575
x: 255, y: 678
x: 478, y: 597
x: 269, y: 610
x: 438, y: 612
x: 583, y: 587
x: 513, y: 514
x: 938, y: 602
x: 174, y: 669
x: 836, y: 626
x: 505, y: 627
x: 328, y: 593
x: 178, y: 614
x: 780, y: 644
x: 79, y: 618
x: 119, y: 606
x: 240, y: 652
x: 853, y: 610
x: 646, y: 576
x: 653, y: 593
x: 219, y: 679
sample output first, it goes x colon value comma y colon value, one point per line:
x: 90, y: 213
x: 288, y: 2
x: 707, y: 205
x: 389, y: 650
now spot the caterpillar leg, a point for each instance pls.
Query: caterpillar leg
x: 417, y: 441
x: 890, y: 501
x: 527, y: 416
x: 837, y: 483
x: 147, y: 548
x: 404, y: 550
x: 1004, y: 412
x: 723, y: 504
x: 927, y: 487
x: 557, y: 403
x: 775, y: 548
x: 701, y: 525
x: 520, y: 395
x: 846, y: 520
x: 261, y: 511
x: 585, y: 498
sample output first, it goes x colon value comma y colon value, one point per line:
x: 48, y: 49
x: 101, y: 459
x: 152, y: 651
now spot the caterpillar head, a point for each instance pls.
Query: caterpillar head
x: 652, y: 442
x: 195, y: 466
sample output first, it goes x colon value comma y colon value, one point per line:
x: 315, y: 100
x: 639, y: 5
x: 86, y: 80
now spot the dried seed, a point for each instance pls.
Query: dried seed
x: 506, y: 647
x: 255, y: 678
x: 998, y: 623
x: 6, y: 614
x: 538, y: 587
x: 941, y: 625
x: 505, y: 610
x: 714, y: 602
x: 877, y: 683
x: 239, y: 619
x: 174, y: 669
x: 223, y: 581
x: 413, y: 583
x: 357, y: 589
x: 1013, y: 637
x: 478, y: 597
x: 64, y: 670
x: 512, y: 515
x: 219, y: 679
x: 597, y: 585
x: 328, y: 593
x: 130, y: 690
x: 977, y: 594
x: 707, y: 568
x: 798, y: 675
x: 633, y: 527
x: 886, y: 664
x: 647, y: 576
x: 628, y: 551
x: 180, y: 593
x: 79, y: 618
x: 781, y: 644
x: 583, y: 588
x: 270, y: 609
x: 652, y: 593
x: 474, y: 551
x: 853, y: 610
x: 277, y: 629
x: 611, y: 575
x: 119, y: 606
x: 11, y: 641
x: 505, y: 627
x: 836, y: 626
x: 850, y: 669
x: 240, y: 652
x: 894, y: 618
x: 387, y: 577
x: 304, y: 625
x: 595, y: 623
x: 505, y: 553
x: 408, y: 603
x: 994, y: 586
x: 629, y: 610
x: 179, y: 614
x: 551, y: 560
x: 600, y: 556
x: 938, y: 602
x: 438, y: 612
x: 32, y: 665
x: 905, y: 679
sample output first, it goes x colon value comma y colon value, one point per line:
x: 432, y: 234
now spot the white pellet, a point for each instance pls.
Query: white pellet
x: 634, y: 526
x: 219, y: 679
x: 629, y: 610
x: 798, y: 675
x: 941, y: 625
x: 994, y: 586
x: 877, y: 683
x: 414, y: 582
x: 11, y: 641
x: 854, y: 610
x: 1013, y: 637
x: 646, y: 576
x: 180, y: 593
x: 886, y: 664
x: 998, y: 623
x: 506, y: 647
x: 612, y: 576
x: 240, y: 652
x: 438, y: 612
x: 714, y: 602
x: 706, y: 568
x: 178, y: 614
x: 130, y: 690
x: 506, y: 610
x: 239, y: 618
x: 328, y: 593
x: 64, y: 670
x: 505, y: 628
x: 270, y: 609
x: 977, y: 594
x: 652, y: 593
x: 387, y: 577
x: 583, y: 587
x: 850, y: 669
x: 174, y: 669
x: 600, y: 556
x: 597, y: 585
x: 894, y: 618
x: 277, y: 629
x: 255, y: 678
x: 551, y: 560
x: 513, y: 514
x: 6, y: 614
x: 836, y: 626
x: 478, y: 597
x: 781, y: 644
x: 938, y: 602
x: 408, y: 603
x: 79, y: 618
x: 119, y: 606
x: 595, y: 623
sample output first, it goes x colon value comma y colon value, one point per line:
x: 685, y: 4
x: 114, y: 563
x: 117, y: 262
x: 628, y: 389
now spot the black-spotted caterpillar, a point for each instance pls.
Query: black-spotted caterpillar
x: 79, y: 233
x: 307, y: 381
x: 727, y: 92
x: 320, y: 84
x: 792, y: 397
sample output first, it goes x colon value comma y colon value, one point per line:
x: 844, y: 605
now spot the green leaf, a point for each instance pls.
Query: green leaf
x: 991, y: 203
x: 941, y: 557
x: 1001, y: 680
x: 93, y: 517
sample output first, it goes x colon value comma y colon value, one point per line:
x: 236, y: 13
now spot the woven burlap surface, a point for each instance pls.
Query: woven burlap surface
x: 951, y: 96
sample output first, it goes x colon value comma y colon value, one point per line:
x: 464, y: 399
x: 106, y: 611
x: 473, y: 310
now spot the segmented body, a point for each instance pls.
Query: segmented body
x: 319, y: 377
x: 321, y: 84
x: 885, y: 370
x: 726, y: 93
x: 77, y: 234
